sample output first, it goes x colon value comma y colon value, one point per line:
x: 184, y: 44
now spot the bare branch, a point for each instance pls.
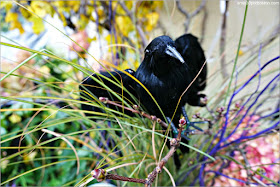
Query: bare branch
x: 101, y: 174
x: 139, y: 29
x: 189, y: 16
x: 174, y: 143
x: 153, y: 118
x: 201, y: 6
x: 180, y: 8
x: 223, y: 42
x: 203, y: 25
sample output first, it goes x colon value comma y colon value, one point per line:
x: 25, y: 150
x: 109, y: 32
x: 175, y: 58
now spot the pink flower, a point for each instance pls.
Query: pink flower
x: 261, y: 153
x: 81, y: 38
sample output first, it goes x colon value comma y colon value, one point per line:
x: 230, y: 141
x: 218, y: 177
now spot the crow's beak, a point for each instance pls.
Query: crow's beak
x: 171, y: 51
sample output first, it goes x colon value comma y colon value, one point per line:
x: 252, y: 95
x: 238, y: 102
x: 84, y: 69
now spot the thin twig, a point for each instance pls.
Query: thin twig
x: 69, y: 143
x: 223, y: 42
x: 247, y: 164
x: 174, y: 143
x: 153, y: 118
x: 201, y: 6
x: 139, y: 29
x: 203, y: 25
x: 101, y: 174
x: 188, y: 15
x: 122, y: 178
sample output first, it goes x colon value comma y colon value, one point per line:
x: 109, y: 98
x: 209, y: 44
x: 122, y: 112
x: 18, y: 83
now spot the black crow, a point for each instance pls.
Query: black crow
x: 163, y: 73
x: 166, y: 74
x: 116, y: 81
x: 190, y: 49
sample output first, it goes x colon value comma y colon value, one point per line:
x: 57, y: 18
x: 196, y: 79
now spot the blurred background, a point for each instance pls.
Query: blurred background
x: 48, y: 47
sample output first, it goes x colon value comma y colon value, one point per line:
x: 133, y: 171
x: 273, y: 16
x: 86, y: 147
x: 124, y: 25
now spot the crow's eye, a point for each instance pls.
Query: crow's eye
x: 147, y: 51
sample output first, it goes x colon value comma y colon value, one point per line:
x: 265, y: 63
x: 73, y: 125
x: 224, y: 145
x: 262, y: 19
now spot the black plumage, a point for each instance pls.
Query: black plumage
x: 92, y: 90
x: 164, y: 73
x: 190, y: 49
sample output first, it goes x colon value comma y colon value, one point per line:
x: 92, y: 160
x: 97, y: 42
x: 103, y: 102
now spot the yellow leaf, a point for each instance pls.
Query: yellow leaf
x: 83, y: 21
x: 75, y: 5
x: 92, y: 39
x: 63, y: 19
x: 124, y: 24
x: 25, y: 13
x: 30, y: 157
x: 152, y: 19
x: 240, y: 53
x: 11, y: 16
x: 59, y: 3
x: 63, y: 144
x: 38, y: 24
x: 40, y: 7
x: 17, y: 25
x: 14, y: 118
x: 45, y: 70
x: 7, y: 4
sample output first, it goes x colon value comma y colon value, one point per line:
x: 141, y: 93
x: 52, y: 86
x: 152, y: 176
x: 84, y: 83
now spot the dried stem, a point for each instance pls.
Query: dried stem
x: 223, y: 42
x: 174, y: 143
x: 139, y: 29
x: 153, y: 118
x: 188, y: 15
x: 101, y: 174
x: 203, y: 25
x: 122, y: 178
x: 249, y: 174
x: 247, y: 164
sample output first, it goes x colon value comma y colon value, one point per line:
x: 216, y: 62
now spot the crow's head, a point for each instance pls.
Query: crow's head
x: 163, y: 48
x: 161, y: 55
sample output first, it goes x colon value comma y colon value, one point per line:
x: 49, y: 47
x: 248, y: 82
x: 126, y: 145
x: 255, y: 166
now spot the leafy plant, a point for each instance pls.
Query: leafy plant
x: 47, y: 140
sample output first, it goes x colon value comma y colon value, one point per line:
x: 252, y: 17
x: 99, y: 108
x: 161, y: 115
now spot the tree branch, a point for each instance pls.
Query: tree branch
x: 139, y: 29
x: 223, y: 42
x: 101, y: 174
x: 188, y: 15
x: 153, y: 118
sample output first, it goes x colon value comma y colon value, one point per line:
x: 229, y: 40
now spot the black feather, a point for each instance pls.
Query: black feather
x: 91, y: 88
x: 164, y: 76
x: 190, y: 49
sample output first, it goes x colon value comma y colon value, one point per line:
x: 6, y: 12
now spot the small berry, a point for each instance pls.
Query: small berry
x: 136, y: 107
x: 158, y: 169
x: 103, y: 99
x: 158, y: 120
x: 237, y: 105
x: 173, y: 141
x: 154, y: 118
x: 182, y: 121
x: 220, y: 109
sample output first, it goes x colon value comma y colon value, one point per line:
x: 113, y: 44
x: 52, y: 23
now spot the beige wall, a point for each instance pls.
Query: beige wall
x: 261, y: 21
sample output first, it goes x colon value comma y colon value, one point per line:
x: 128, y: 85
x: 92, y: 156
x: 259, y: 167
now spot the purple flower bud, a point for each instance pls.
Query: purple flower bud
x: 154, y: 118
x: 182, y: 121
x: 99, y: 174
x: 103, y: 99
x: 136, y: 107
